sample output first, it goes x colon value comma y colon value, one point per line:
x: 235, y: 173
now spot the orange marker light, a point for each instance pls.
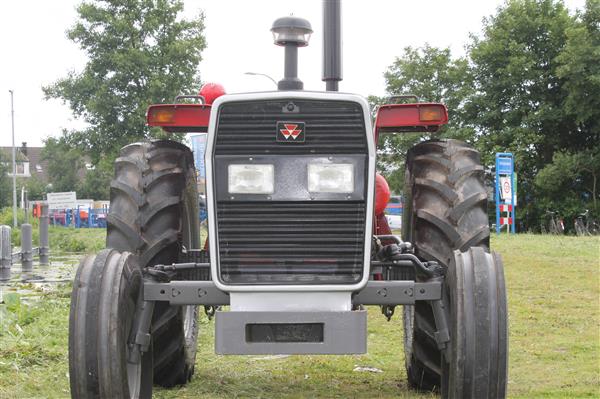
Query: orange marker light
x: 430, y: 113
x: 162, y: 115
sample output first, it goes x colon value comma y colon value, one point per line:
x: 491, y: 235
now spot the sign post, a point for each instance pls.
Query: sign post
x: 198, y: 148
x: 506, y: 196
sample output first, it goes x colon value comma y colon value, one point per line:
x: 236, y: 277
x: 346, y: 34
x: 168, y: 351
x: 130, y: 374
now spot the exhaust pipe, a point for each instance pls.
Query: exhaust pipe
x: 332, y: 44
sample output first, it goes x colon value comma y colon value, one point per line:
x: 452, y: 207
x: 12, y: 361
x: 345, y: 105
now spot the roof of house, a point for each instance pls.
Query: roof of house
x: 37, y: 166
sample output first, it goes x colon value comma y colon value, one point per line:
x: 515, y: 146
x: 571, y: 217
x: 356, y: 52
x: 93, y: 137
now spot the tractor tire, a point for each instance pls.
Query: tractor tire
x: 103, y: 304
x: 445, y: 208
x: 476, y: 366
x: 154, y: 214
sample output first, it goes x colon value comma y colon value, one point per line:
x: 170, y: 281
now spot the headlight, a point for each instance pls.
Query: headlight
x: 331, y: 178
x: 251, y: 179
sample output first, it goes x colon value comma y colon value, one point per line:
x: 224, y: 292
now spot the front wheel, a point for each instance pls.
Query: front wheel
x: 476, y: 363
x: 103, y: 305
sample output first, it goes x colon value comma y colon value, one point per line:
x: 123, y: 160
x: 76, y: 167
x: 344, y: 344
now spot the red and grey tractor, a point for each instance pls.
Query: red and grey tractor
x: 297, y: 243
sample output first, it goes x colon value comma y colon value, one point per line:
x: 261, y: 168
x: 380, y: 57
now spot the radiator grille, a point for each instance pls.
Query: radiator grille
x: 332, y: 127
x: 291, y: 242
x: 277, y: 242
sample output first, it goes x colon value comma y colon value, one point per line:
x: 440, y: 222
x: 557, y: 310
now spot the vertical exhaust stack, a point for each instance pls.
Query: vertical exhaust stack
x: 332, y: 44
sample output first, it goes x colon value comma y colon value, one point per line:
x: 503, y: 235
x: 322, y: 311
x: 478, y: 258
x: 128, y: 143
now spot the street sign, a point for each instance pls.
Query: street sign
x: 198, y: 147
x: 504, y: 166
x: 66, y: 200
x: 505, y: 188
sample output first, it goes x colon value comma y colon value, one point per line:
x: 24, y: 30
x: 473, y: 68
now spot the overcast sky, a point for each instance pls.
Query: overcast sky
x: 35, y: 50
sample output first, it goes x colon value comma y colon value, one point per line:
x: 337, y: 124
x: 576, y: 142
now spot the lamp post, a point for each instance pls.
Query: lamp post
x: 262, y: 74
x: 14, y: 165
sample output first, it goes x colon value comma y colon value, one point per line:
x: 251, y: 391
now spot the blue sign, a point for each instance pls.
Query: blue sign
x: 198, y: 148
x: 504, y: 165
x: 505, y: 193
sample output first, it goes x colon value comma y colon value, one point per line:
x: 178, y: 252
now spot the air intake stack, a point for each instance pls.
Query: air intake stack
x: 291, y: 33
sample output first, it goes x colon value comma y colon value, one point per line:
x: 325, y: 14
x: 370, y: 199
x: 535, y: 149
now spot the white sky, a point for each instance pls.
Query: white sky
x: 35, y: 51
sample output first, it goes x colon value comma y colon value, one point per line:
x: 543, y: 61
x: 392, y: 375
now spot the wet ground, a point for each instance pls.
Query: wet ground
x: 29, y: 285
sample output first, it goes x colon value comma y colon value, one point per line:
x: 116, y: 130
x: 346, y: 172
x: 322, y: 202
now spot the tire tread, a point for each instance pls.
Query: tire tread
x: 445, y: 210
x: 149, y: 186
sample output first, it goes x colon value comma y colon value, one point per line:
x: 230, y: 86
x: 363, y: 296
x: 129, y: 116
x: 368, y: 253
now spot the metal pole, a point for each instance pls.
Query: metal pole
x: 26, y: 205
x: 5, y: 253
x: 44, y: 247
x: 26, y: 248
x: 14, y: 165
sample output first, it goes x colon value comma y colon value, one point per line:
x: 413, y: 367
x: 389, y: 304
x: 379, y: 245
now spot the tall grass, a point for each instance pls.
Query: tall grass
x: 554, y: 317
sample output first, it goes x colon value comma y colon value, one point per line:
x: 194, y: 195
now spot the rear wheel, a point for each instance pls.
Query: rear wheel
x: 154, y: 214
x: 445, y: 209
x: 103, y: 305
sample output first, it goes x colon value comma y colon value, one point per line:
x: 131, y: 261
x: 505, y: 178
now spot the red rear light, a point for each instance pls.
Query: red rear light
x: 179, y: 117
x: 417, y: 117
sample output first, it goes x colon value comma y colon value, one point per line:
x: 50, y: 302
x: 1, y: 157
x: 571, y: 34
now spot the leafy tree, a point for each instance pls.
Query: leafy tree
x: 575, y: 175
x: 569, y: 184
x: 140, y: 52
x: 580, y: 69
x: 431, y: 74
x: 519, y: 101
x: 34, y: 186
x: 64, y: 164
x: 96, y: 183
x: 5, y: 184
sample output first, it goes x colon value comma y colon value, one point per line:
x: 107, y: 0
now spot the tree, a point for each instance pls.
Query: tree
x: 433, y: 75
x: 140, y: 52
x: 5, y: 184
x: 96, y: 183
x: 519, y: 101
x: 64, y: 164
x: 569, y: 184
x: 573, y: 175
x: 35, y: 187
x: 580, y: 69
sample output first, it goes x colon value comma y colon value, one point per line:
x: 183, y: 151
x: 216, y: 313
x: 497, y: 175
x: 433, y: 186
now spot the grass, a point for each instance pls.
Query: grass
x: 553, y: 285
x: 70, y: 239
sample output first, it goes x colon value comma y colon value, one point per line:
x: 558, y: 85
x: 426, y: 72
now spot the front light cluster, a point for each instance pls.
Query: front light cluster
x: 251, y: 179
x: 260, y: 178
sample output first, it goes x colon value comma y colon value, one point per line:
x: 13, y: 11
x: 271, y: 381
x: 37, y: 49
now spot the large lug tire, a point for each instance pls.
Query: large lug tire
x: 476, y: 365
x: 445, y: 209
x: 154, y: 214
x: 103, y: 305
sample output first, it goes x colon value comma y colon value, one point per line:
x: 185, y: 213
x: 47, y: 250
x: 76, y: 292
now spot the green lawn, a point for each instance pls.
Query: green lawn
x: 554, y: 303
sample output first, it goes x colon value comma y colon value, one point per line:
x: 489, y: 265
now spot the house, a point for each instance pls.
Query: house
x: 28, y: 161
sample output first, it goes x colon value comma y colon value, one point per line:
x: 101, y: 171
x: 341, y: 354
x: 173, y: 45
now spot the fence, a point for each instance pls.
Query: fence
x: 7, y: 257
x: 80, y: 217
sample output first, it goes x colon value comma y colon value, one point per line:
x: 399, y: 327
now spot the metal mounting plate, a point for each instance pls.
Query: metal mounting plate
x: 375, y: 293
x: 397, y: 293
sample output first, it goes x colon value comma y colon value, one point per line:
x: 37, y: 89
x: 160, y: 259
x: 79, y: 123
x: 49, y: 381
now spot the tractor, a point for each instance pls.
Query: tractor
x: 297, y: 245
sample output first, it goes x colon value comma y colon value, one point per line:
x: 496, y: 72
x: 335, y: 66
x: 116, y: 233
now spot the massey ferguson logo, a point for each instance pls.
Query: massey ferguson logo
x: 290, y: 132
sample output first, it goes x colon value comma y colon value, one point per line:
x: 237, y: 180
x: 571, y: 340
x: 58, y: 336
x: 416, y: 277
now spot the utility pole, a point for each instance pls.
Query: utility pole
x: 14, y: 165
